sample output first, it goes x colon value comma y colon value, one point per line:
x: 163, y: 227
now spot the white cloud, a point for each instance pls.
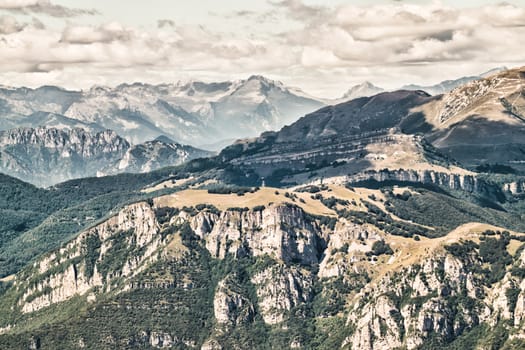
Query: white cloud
x: 88, y: 34
x: 9, y: 25
x: 325, y: 50
x: 17, y: 4
x: 43, y: 7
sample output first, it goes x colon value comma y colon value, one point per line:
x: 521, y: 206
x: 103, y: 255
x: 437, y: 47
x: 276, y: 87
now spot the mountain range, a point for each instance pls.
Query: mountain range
x: 448, y: 85
x: 45, y: 156
x: 193, y: 113
x: 367, y: 89
x: 392, y: 221
x: 476, y: 124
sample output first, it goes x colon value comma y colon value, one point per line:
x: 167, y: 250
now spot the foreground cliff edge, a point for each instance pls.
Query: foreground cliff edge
x: 310, y: 267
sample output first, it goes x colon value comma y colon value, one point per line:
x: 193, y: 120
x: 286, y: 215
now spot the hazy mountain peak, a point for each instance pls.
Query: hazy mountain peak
x: 264, y: 82
x: 165, y: 139
x: 260, y: 78
x: 364, y: 89
x: 98, y: 89
x: 493, y: 71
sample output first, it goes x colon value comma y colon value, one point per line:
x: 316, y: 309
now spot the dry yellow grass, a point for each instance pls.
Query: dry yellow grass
x: 7, y: 278
x: 513, y: 246
x: 400, y: 190
x: 264, y: 196
x: 407, y: 251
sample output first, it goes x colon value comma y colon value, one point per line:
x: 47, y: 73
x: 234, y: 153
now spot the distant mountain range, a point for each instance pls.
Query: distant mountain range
x: 46, y: 156
x: 367, y: 89
x: 52, y: 135
x: 193, y: 113
x: 448, y: 85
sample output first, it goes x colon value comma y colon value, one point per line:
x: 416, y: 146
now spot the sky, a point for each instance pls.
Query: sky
x: 323, y: 47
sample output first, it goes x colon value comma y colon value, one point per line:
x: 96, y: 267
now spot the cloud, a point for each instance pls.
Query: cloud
x: 298, y: 10
x: 38, y: 24
x: 164, y: 23
x: 103, y: 34
x: 9, y: 25
x: 402, y: 33
x: 16, y: 4
x: 323, y: 49
x: 44, y: 7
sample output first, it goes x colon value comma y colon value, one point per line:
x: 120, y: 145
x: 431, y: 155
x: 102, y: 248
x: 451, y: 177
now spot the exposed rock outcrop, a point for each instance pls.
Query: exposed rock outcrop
x: 280, y: 231
x: 46, y: 156
x: 281, y: 288
x: 463, y: 182
x: 74, y: 269
x: 229, y: 306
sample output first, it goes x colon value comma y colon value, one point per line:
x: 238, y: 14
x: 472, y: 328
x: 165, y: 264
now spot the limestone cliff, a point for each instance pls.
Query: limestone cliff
x: 219, y: 279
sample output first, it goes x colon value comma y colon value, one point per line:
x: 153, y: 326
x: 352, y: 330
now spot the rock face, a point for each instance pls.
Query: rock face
x: 515, y: 188
x: 154, y: 155
x: 75, y: 268
x: 229, y: 306
x: 46, y: 156
x: 387, y: 319
x: 280, y: 289
x: 281, y: 232
x: 439, y: 296
x: 467, y: 183
x: 462, y: 182
x: 346, y: 246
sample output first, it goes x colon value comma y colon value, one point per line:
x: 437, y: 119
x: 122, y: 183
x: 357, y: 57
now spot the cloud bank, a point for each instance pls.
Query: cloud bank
x: 324, y: 49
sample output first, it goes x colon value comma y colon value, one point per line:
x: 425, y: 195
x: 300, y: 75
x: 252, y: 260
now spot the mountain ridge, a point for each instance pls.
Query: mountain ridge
x: 397, y: 130
x: 46, y: 156
x: 191, y: 112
